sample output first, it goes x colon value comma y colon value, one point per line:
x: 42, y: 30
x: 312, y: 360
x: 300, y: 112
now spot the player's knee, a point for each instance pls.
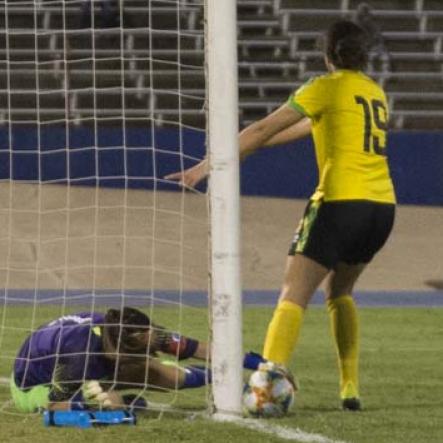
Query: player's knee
x: 295, y: 295
x: 286, y: 293
x: 340, y: 284
x: 334, y: 289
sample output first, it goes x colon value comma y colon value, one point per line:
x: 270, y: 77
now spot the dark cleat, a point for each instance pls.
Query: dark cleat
x: 351, y: 404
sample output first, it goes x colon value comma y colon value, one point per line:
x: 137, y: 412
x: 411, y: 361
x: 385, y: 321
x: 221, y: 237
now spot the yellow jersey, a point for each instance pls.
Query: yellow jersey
x: 349, y: 115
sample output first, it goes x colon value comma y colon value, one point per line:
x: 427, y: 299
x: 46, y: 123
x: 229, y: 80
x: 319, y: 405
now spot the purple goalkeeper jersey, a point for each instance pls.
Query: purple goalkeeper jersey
x: 71, y: 345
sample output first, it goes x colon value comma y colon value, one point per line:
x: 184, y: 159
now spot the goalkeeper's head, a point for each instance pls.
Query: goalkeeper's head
x: 125, y: 332
x: 347, y: 46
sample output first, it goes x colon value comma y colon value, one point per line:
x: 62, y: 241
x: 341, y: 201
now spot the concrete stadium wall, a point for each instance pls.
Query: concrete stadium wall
x: 416, y: 160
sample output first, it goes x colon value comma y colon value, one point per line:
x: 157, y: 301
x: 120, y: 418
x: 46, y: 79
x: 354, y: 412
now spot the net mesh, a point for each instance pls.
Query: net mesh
x: 101, y: 99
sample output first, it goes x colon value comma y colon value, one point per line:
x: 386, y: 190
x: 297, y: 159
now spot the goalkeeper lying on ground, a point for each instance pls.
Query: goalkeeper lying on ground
x: 84, y: 360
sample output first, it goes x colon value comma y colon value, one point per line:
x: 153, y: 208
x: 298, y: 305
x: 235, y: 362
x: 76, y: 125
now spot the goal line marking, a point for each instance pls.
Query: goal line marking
x: 286, y: 433
x: 283, y: 432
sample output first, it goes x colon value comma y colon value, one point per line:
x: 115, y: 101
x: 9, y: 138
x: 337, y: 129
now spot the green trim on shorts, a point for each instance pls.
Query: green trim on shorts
x: 306, y: 225
x: 30, y: 400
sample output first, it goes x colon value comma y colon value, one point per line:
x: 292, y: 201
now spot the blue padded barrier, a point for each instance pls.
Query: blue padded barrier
x: 416, y: 160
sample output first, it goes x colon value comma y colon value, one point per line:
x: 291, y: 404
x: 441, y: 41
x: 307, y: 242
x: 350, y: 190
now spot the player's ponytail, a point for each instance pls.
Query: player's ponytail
x: 121, y: 332
x: 347, y: 45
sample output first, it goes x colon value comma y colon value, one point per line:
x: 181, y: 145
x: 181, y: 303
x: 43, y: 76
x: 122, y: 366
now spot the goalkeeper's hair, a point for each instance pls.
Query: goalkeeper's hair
x: 121, y: 332
x: 347, y: 45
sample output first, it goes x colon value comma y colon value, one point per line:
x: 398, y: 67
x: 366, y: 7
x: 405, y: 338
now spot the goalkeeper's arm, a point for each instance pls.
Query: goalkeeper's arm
x: 185, y: 347
x: 154, y: 374
x: 173, y: 376
x: 178, y: 345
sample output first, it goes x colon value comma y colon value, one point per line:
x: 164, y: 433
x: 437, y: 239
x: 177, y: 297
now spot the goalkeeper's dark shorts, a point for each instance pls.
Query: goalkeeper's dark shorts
x: 343, y: 231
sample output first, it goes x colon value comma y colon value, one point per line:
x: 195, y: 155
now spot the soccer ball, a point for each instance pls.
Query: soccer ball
x: 268, y: 393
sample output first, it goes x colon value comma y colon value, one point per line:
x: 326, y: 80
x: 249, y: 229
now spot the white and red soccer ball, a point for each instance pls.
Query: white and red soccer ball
x: 269, y: 393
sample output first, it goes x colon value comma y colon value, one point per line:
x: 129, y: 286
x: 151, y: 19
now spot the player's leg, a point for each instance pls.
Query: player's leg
x: 363, y: 228
x: 307, y: 265
x: 302, y: 277
x: 32, y: 399
x: 345, y: 329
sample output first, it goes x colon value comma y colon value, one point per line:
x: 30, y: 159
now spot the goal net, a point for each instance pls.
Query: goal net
x: 100, y: 100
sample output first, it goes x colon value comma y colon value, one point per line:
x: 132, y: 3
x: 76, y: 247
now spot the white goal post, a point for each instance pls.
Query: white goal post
x: 222, y: 90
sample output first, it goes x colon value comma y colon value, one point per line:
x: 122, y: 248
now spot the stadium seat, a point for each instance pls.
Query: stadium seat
x: 278, y: 50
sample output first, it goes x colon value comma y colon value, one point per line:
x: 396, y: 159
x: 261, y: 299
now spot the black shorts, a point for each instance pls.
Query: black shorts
x: 343, y: 231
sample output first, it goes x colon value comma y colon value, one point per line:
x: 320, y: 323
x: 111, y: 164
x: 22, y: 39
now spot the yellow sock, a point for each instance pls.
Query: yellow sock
x: 283, y: 331
x: 345, y: 330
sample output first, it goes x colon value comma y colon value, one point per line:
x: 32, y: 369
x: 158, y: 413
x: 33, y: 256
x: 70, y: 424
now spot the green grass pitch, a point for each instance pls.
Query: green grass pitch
x: 401, y: 384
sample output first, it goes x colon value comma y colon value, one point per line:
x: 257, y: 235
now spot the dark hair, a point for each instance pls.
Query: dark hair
x: 347, y: 45
x: 120, y: 331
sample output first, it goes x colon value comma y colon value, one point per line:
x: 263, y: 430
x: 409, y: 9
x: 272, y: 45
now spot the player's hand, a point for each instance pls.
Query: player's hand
x: 190, y: 177
x: 95, y: 394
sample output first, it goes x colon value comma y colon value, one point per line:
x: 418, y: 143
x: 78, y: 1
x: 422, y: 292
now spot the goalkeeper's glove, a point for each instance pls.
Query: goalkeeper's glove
x: 196, y: 376
x: 95, y: 395
x: 252, y: 360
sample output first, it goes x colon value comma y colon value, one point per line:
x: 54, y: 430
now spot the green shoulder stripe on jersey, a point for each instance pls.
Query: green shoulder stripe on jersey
x: 309, y: 81
x: 297, y: 106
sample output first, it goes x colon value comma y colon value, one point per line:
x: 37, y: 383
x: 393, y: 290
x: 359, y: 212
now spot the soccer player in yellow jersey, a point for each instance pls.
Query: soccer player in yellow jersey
x: 351, y: 213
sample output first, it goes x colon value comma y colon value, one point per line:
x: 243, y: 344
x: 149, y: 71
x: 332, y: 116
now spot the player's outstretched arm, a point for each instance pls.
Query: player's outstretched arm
x: 177, y: 345
x: 186, y: 347
x: 160, y: 375
x: 174, y: 376
x: 295, y: 132
x: 278, y: 127
x: 191, y: 177
x: 265, y: 132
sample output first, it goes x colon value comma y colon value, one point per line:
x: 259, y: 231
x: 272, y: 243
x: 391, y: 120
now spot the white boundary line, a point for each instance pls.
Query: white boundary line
x: 286, y: 433
x: 283, y: 432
